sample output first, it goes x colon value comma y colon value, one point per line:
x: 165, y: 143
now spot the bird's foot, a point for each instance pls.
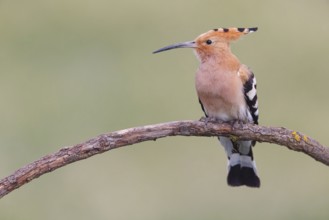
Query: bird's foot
x: 207, y: 120
x: 236, y: 122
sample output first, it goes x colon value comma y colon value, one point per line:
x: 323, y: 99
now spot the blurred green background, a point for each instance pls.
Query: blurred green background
x: 70, y: 70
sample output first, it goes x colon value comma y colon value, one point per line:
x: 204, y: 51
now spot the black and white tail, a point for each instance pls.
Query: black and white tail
x: 241, y: 165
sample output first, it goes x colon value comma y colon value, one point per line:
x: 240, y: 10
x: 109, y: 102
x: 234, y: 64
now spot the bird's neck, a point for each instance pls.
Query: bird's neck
x: 222, y: 59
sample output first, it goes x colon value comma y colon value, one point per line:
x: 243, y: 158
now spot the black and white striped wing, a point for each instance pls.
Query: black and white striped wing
x: 250, y: 95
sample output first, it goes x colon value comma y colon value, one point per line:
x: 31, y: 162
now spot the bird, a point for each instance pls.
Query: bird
x: 227, y: 91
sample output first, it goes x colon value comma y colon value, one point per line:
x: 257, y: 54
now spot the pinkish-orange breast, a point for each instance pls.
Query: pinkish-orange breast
x: 220, y: 92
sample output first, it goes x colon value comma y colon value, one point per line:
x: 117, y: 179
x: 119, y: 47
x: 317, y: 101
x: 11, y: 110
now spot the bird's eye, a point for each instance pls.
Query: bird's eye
x: 209, y: 42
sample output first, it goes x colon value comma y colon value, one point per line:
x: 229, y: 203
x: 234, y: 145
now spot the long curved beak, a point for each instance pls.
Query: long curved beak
x: 189, y: 44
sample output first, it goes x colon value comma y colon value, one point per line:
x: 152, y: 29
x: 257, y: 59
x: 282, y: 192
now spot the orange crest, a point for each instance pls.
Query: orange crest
x: 230, y: 34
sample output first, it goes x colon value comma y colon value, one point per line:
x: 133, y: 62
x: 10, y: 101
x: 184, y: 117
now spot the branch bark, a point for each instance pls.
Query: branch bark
x: 277, y: 135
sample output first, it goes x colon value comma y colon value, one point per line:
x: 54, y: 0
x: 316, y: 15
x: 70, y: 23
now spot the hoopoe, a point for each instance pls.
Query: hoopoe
x: 227, y: 91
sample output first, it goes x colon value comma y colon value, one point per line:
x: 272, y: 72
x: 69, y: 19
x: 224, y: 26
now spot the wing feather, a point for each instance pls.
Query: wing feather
x: 250, y: 95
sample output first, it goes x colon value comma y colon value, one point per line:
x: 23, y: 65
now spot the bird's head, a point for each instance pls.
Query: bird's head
x: 212, y: 42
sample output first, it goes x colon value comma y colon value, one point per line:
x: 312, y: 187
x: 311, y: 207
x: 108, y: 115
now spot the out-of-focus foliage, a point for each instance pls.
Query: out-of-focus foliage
x: 70, y: 70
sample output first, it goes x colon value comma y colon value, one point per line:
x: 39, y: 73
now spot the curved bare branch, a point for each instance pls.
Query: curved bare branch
x: 291, y: 139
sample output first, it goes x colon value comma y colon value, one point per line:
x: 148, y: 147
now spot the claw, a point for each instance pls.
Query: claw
x: 207, y: 120
x: 237, y: 123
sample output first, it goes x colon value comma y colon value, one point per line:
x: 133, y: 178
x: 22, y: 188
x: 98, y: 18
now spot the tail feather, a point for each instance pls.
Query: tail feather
x: 248, y: 170
x: 233, y: 176
x: 248, y: 177
x: 239, y: 175
x: 241, y: 165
